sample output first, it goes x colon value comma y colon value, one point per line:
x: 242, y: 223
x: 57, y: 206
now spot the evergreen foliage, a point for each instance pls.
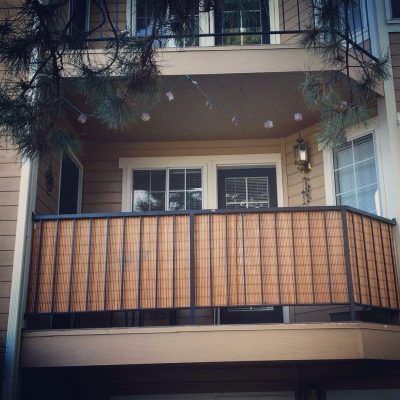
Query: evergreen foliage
x: 42, y: 53
x: 345, y: 98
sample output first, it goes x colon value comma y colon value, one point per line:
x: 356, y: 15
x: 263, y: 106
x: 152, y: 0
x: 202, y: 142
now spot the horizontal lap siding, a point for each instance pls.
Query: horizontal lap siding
x: 295, y: 178
x: 294, y: 15
x: 47, y: 203
x: 9, y: 194
x: 102, y: 188
x: 98, y: 20
x: 395, y: 58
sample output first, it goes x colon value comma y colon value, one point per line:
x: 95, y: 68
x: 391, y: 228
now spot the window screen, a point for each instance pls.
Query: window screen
x: 247, y: 192
x: 168, y: 189
x: 356, y: 182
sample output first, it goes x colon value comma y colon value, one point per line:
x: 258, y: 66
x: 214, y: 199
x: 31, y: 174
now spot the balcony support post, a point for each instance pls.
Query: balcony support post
x: 350, y: 287
x: 192, y: 272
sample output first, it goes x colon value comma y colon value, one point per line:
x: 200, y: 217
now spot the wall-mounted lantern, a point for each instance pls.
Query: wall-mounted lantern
x: 300, y: 150
x: 301, y: 155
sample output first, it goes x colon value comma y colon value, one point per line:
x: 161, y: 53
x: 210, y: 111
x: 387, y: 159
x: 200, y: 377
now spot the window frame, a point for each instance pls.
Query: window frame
x: 167, y: 189
x: 207, y: 23
x: 361, y: 34
x: 352, y: 134
x: 353, y: 166
x: 389, y: 13
x: 209, y: 164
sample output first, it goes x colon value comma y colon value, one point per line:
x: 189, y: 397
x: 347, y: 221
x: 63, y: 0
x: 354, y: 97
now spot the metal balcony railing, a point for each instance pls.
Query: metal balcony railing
x: 232, y: 22
x: 210, y: 259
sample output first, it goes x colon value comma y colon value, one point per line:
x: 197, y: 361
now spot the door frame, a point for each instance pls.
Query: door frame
x: 252, y: 172
x: 209, y: 165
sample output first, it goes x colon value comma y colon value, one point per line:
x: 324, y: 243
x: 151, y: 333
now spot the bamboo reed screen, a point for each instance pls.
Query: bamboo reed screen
x: 238, y: 259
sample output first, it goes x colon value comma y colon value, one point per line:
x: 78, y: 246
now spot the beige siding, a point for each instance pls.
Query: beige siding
x: 102, y: 187
x: 395, y: 56
x: 295, y: 182
x: 9, y: 192
x: 293, y: 16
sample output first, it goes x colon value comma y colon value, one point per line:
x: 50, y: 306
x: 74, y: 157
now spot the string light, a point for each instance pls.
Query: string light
x: 145, y: 117
x: 209, y: 103
x: 298, y: 117
x: 268, y: 124
x: 170, y: 96
x: 82, y: 118
x: 235, y: 120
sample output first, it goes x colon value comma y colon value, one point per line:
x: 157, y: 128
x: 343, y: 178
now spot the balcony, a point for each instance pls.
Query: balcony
x: 301, y: 256
x: 273, y: 22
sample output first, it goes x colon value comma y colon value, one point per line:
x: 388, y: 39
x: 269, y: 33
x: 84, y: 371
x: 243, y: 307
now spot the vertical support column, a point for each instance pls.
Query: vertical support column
x: 20, y: 275
x: 192, y: 272
x: 349, y: 276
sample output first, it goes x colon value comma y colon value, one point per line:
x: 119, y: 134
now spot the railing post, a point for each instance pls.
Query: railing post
x: 192, y: 272
x: 350, y: 287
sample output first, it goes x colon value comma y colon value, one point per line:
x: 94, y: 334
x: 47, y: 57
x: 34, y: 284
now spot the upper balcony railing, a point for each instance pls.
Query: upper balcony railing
x: 231, y: 22
x: 210, y: 259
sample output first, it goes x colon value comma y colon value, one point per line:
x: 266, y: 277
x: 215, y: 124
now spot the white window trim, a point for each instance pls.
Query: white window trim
x: 351, y: 134
x: 75, y: 159
x: 389, y: 14
x: 209, y: 166
x: 207, y: 23
x: 167, y: 189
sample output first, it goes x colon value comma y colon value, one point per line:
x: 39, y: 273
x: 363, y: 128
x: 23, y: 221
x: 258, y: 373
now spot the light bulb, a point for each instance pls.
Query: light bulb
x: 145, y: 116
x: 235, y: 120
x: 298, y: 117
x: 82, y: 118
x: 209, y: 104
x: 268, y: 124
x: 170, y: 96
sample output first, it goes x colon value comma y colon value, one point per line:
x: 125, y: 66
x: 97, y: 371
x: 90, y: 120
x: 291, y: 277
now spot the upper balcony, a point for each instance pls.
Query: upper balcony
x: 253, y: 26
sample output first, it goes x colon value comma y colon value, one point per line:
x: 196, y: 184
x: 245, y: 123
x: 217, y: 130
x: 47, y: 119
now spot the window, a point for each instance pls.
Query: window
x: 144, y: 21
x: 395, y: 9
x: 247, y: 192
x: 79, y: 16
x: 238, y: 16
x: 355, y: 175
x: 70, y: 185
x: 167, y: 189
x: 357, y: 19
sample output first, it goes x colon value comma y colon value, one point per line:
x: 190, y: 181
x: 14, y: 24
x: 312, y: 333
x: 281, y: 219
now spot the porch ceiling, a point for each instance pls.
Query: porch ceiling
x: 253, y: 97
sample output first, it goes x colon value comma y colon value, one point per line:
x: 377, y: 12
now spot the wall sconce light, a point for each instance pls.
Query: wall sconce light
x: 301, y: 155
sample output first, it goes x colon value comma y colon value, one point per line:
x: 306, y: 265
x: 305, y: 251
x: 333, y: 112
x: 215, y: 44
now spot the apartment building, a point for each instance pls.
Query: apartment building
x: 188, y: 257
